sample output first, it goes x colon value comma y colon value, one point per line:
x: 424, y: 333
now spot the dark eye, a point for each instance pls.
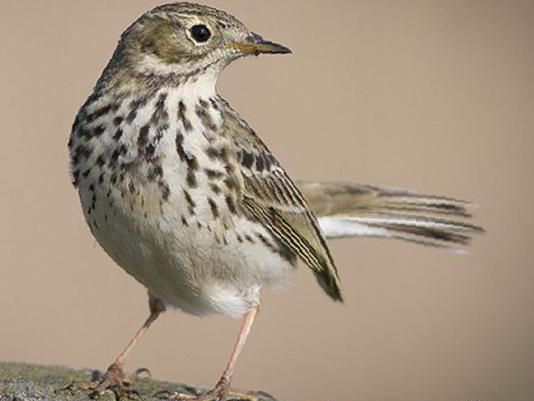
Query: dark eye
x: 200, y: 33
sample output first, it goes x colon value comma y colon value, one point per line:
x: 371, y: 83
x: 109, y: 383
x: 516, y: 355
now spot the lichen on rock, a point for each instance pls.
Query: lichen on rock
x: 27, y: 382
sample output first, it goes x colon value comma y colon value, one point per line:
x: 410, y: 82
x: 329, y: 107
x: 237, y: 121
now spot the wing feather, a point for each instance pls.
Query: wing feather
x: 271, y: 198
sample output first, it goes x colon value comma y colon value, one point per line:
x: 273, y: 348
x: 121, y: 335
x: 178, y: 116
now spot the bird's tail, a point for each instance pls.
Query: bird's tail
x: 349, y: 210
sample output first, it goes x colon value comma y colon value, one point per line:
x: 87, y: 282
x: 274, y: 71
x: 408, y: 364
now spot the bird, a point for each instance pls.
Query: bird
x: 185, y: 196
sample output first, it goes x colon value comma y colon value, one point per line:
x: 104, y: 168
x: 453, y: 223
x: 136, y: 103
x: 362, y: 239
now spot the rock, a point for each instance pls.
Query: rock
x: 26, y: 382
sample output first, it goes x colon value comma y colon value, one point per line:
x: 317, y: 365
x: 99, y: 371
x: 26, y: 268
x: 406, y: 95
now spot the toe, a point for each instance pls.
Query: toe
x: 138, y: 373
x: 236, y: 395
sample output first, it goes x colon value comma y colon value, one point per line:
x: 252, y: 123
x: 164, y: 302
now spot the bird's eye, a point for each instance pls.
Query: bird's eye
x: 200, y: 33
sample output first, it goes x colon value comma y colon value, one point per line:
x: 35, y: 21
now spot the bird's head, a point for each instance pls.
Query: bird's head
x: 185, y: 39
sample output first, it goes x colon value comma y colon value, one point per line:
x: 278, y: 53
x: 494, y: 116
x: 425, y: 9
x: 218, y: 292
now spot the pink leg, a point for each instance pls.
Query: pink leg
x: 114, y: 373
x: 222, y: 388
x: 156, y: 308
x: 246, y: 326
x: 114, y: 377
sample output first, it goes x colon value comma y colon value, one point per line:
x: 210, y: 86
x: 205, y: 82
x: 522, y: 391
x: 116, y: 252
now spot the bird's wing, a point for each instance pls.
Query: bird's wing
x: 349, y: 209
x: 270, y: 197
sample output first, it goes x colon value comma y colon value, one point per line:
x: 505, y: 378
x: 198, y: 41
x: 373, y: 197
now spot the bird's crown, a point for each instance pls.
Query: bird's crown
x: 183, y: 39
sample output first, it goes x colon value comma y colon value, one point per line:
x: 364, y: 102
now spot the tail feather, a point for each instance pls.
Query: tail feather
x: 349, y: 210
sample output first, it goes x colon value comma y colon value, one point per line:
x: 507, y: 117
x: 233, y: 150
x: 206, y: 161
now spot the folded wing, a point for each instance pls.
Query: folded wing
x: 272, y: 199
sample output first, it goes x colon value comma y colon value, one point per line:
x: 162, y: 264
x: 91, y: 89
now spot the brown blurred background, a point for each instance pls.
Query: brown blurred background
x: 436, y: 96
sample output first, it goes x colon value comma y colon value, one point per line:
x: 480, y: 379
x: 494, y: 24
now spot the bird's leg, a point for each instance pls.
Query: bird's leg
x: 222, y: 389
x: 114, y: 374
x: 114, y: 378
x: 223, y: 385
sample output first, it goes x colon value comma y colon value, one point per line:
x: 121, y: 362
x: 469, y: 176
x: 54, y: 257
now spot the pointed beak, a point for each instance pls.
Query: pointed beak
x: 256, y: 45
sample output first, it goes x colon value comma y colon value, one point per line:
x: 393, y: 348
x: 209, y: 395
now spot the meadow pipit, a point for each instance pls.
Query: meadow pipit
x: 184, y: 196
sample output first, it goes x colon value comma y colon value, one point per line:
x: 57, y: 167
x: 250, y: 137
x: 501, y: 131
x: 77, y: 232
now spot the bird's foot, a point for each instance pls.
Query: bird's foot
x: 113, y: 380
x: 221, y: 392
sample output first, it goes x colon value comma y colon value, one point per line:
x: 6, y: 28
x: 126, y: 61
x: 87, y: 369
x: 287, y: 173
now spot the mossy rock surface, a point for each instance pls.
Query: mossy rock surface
x: 26, y: 382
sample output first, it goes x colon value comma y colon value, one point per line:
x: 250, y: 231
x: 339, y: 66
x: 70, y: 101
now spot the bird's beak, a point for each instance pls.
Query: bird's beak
x: 256, y: 45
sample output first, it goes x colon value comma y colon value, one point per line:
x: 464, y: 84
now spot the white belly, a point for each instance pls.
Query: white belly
x: 199, y: 266
x: 190, y: 262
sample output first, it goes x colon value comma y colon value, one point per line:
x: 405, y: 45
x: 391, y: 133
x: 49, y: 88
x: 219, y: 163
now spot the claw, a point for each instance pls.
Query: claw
x: 135, y: 375
x: 74, y: 386
x: 234, y: 395
x: 120, y: 392
x: 264, y: 395
x: 217, y: 394
x: 113, y: 380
